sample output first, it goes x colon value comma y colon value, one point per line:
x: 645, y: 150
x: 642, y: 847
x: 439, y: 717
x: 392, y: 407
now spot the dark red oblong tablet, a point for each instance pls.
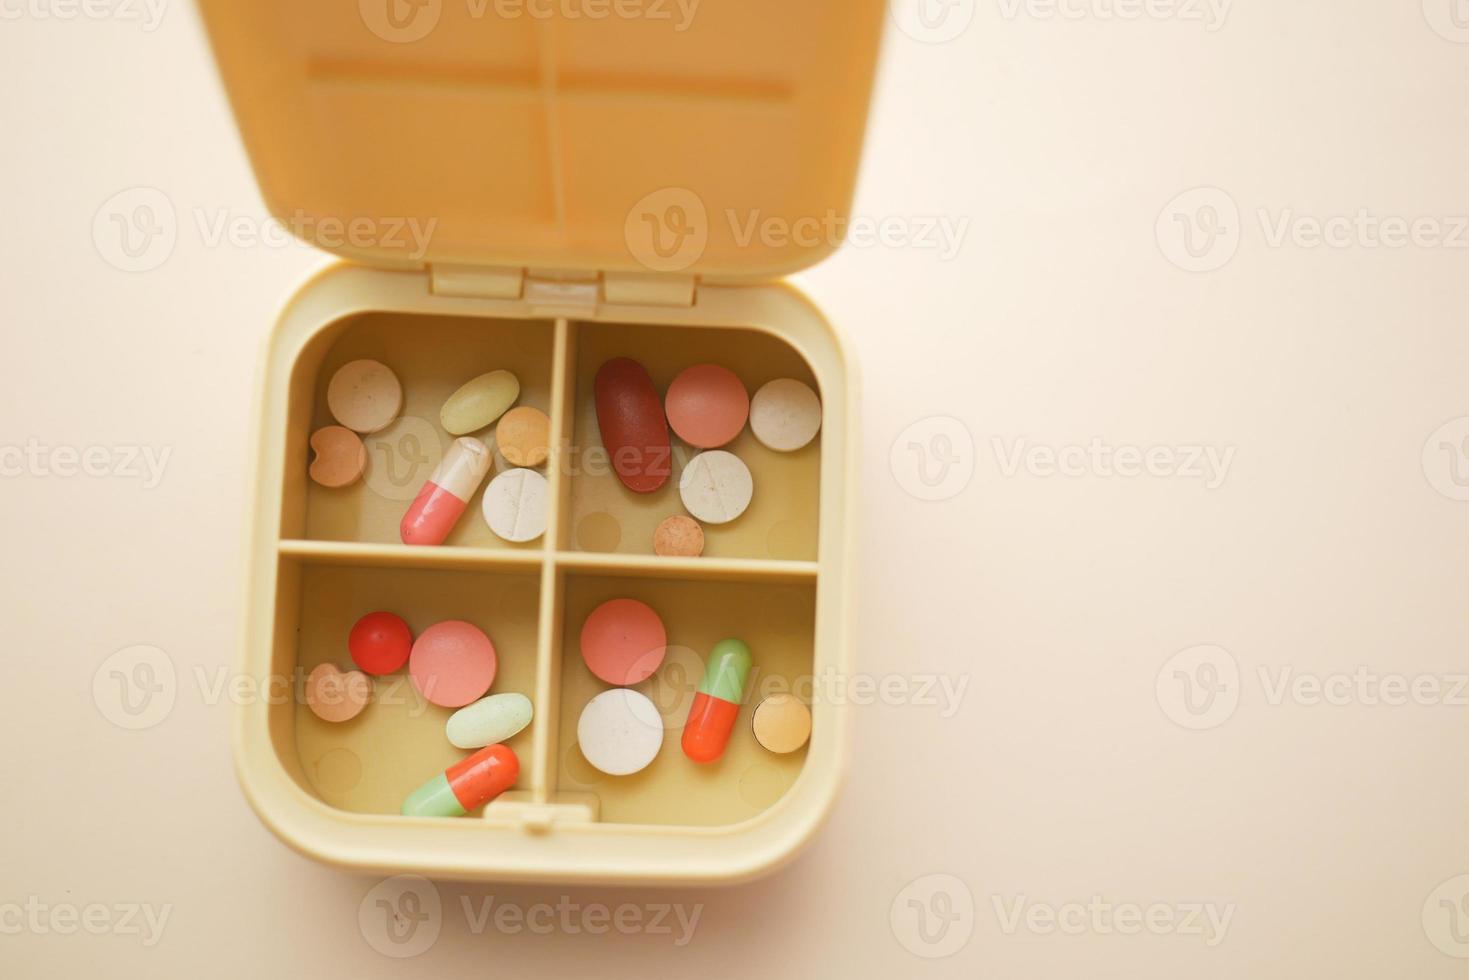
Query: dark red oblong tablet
x: 634, y: 430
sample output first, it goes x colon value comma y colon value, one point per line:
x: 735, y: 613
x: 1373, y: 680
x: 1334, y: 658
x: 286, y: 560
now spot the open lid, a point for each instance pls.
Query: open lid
x: 717, y: 137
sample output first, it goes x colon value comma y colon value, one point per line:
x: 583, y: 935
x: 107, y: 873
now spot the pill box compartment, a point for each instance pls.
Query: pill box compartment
x: 324, y: 557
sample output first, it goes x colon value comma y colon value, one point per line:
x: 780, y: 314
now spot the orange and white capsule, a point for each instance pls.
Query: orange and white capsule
x: 446, y: 492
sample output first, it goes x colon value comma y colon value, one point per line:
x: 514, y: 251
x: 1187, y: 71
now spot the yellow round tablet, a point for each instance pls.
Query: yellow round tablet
x: 524, y: 436
x: 782, y: 723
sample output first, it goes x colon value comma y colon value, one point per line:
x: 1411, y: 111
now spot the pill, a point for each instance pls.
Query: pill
x: 446, y: 493
x: 634, y: 431
x: 365, y: 396
x: 472, y: 781
x: 717, y: 702
x: 489, y: 720
x: 707, y: 405
x: 678, y: 536
x: 716, y: 486
x: 336, y: 695
x: 524, y: 436
x: 781, y: 723
x: 340, y: 456
x: 452, y: 663
x: 380, y: 643
x: 785, y: 415
x: 515, y: 505
x: 623, y: 641
x: 620, y: 731
x: 479, y: 401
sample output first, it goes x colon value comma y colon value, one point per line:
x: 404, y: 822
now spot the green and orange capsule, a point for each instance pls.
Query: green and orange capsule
x: 717, y: 703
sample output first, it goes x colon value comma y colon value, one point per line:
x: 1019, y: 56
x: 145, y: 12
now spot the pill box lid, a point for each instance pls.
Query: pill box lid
x: 714, y: 137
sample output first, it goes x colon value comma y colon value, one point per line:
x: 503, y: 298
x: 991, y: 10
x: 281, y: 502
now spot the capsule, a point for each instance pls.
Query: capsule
x: 717, y: 703
x: 446, y: 493
x: 468, y: 783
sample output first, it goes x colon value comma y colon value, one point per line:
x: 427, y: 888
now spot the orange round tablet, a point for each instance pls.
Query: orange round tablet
x: 782, y: 723
x: 452, y: 663
x: 707, y: 405
x: 340, y: 456
x: 524, y: 436
x: 678, y: 537
x: 623, y: 641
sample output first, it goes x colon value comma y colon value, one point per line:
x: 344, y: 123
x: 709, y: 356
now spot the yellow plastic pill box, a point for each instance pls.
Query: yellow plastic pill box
x: 540, y: 187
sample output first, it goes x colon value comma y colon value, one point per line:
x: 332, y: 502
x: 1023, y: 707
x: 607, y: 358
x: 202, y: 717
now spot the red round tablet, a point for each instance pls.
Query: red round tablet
x: 623, y: 641
x: 453, y: 663
x: 380, y: 642
x: 707, y: 405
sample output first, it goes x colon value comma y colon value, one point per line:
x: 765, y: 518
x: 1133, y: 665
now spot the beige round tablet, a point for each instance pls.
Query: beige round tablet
x: 785, y: 415
x: 678, y: 537
x: 716, y: 486
x: 365, y: 396
x: 524, y: 436
x: 782, y: 723
x: 340, y: 456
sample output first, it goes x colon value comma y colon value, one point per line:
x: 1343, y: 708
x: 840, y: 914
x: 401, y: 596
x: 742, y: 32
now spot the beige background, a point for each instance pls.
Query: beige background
x: 1332, y: 542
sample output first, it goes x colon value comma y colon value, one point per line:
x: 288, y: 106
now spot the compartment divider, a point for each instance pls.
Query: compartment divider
x: 542, y: 771
x: 694, y: 569
x: 322, y: 552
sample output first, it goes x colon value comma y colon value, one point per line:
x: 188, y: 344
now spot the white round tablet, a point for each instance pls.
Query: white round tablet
x: 515, y: 505
x: 716, y: 486
x: 365, y: 396
x: 620, y: 731
x: 785, y: 415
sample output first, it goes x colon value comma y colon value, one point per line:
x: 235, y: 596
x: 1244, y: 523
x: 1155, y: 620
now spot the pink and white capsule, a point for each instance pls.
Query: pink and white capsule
x: 446, y: 492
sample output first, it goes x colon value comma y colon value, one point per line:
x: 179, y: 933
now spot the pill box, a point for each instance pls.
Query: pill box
x: 540, y: 193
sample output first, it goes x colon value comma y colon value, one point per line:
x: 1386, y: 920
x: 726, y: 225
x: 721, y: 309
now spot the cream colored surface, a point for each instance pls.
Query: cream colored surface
x: 1058, y: 600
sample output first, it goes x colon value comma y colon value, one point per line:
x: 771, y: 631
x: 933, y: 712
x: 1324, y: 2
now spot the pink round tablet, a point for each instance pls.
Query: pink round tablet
x: 453, y: 663
x: 707, y: 405
x: 623, y: 641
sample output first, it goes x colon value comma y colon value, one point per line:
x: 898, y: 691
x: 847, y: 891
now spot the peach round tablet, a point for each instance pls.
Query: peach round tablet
x: 707, y: 405
x: 716, y: 487
x: 524, y: 436
x: 678, y: 537
x: 453, y: 663
x: 782, y: 723
x: 340, y: 456
x: 785, y: 415
x: 623, y: 641
x: 365, y: 396
x: 335, y: 695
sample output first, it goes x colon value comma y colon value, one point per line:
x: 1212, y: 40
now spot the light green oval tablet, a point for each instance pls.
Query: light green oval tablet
x: 479, y: 402
x: 489, y: 720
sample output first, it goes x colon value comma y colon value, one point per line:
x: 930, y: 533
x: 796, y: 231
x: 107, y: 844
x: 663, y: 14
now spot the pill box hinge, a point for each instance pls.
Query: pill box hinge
x: 488, y: 282
x: 648, y: 289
